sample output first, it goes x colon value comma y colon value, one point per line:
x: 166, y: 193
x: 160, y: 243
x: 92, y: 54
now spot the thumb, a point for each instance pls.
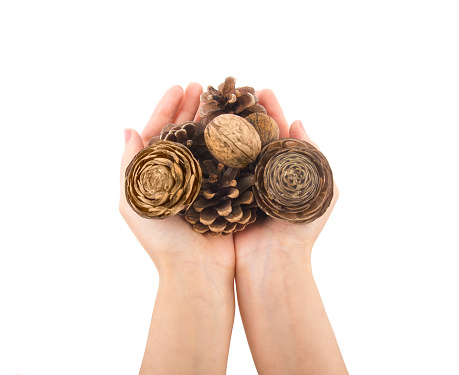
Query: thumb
x: 133, y: 144
x: 298, y: 131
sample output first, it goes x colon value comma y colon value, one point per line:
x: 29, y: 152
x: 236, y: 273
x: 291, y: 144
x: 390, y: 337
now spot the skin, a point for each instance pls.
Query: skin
x: 193, y: 315
x: 283, y: 315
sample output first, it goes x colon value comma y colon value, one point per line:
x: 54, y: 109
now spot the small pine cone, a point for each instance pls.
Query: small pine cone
x: 190, y: 134
x: 225, y: 203
x: 241, y: 101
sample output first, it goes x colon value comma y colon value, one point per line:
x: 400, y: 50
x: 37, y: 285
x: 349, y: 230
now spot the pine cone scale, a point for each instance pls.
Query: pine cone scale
x: 200, y: 227
x: 245, y: 198
x: 227, y: 87
x: 192, y: 216
x: 208, y: 216
x: 224, y: 208
x: 244, y: 102
x: 244, y: 183
x: 235, y: 215
x: 202, y: 203
x: 245, y: 217
x: 218, y: 225
x: 230, y: 227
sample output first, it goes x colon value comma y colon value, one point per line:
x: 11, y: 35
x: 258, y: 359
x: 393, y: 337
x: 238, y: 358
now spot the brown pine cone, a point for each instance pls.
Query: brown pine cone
x: 294, y: 181
x: 190, y: 134
x: 225, y: 203
x: 241, y: 101
x: 162, y: 180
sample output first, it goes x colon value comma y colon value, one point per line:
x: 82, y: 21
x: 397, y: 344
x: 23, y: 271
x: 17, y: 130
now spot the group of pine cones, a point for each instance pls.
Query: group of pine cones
x: 219, y: 172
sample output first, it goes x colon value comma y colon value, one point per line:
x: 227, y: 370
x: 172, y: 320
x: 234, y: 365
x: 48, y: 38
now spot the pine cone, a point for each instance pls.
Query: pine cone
x: 190, y: 134
x: 225, y: 203
x: 294, y: 181
x: 162, y: 180
x: 241, y: 101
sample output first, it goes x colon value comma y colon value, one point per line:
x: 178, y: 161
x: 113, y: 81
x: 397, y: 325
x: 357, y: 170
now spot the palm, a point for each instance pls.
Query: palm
x: 175, y: 238
x: 268, y: 233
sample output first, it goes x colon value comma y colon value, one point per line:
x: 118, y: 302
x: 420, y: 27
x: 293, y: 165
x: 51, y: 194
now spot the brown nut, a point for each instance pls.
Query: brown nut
x: 265, y: 126
x: 232, y: 140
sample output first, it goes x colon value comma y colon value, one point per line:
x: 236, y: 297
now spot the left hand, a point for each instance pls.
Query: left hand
x: 288, y: 242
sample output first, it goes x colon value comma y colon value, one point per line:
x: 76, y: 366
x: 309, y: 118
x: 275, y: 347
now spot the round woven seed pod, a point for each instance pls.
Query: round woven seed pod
x: 162, y: 179
x: 294, y: 181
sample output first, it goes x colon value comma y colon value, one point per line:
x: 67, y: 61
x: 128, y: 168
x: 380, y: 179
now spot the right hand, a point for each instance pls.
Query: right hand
x: 172, y: 243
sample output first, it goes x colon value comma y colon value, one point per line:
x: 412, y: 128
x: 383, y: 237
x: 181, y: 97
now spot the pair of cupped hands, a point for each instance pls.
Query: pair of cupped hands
x: 172, y: 243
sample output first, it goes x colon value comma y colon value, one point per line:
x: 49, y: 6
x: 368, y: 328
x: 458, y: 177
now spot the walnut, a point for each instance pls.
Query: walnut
x: 265, y: 126
x: 232, y: 140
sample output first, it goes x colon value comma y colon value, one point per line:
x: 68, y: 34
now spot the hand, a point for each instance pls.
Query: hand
x: 284, y: 319
x: 173, y: 242
x: 268, y: 233
x: 194, y: 307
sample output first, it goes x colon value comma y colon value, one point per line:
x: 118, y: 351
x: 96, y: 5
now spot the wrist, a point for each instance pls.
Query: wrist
x: 273, y: 270
x: 197, y: 278
x: 194, y: 263
x: 277, y: 254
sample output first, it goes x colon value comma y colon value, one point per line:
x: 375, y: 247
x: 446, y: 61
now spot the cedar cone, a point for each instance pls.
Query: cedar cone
x: 162, y: 179
x: 294, y: 181
x: 225, y: 203
x: 190, y: 134
x: 241, y: 101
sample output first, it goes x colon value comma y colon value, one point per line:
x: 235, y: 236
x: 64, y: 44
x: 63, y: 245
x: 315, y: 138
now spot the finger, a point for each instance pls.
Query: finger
x: 133, y: 144
x: 190, y: 104
x: 298, y: 131
x: 163, y: 114
x: 198, y: 116
x: 268, y: 100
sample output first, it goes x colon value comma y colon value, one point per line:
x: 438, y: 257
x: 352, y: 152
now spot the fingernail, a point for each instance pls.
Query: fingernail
x: 127, y: 135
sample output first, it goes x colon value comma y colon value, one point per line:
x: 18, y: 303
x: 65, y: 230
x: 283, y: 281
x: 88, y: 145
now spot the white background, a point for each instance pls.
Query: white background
x: 376, y: 84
